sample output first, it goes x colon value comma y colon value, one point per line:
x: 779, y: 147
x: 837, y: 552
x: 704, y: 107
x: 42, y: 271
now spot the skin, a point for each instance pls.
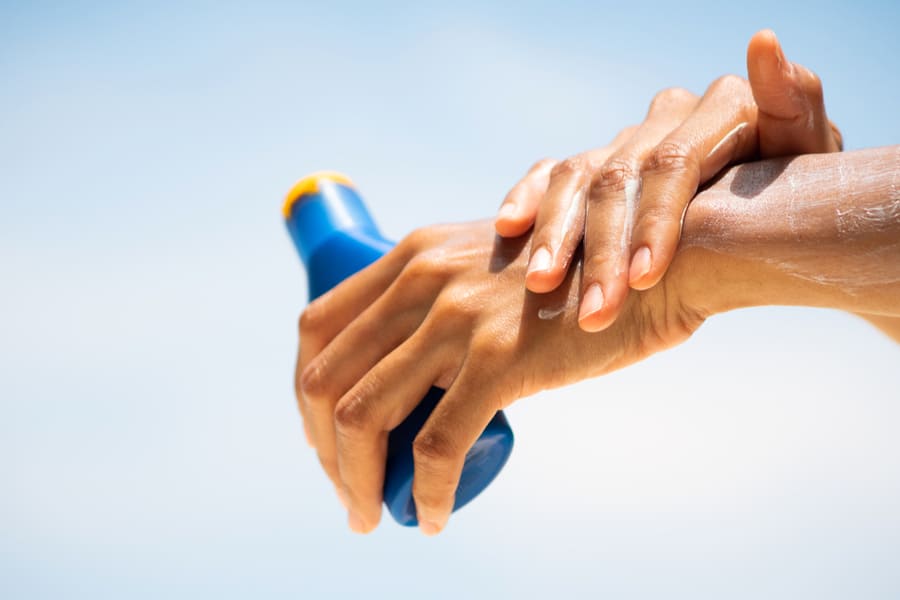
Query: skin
x: 626, y: 200
x: 446, y: 307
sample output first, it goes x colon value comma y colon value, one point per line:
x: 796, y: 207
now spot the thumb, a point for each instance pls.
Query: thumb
x: 792, y: 117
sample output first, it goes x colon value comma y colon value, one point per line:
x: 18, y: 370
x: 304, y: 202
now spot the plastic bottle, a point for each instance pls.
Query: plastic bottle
x: 336, y: 237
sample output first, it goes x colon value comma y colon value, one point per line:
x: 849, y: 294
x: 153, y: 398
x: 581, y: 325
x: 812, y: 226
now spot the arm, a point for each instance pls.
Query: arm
x: 815, y: 230
x: 446, y: 307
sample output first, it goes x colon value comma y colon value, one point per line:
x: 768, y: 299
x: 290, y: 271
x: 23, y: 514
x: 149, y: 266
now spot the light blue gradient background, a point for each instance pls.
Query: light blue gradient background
x: 149, y: 443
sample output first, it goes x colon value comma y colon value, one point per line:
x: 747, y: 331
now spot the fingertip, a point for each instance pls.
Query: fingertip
x: 592, y: 303
x: 763, y: 37
x: 541, y: 282
x: 358, y: 519
x: 430, y: 528
x: 544, y: 274
x: 765, y: 58
x: 513, y: 220
x: 432, y: 519
x: 511, y: 227
x: 649, y: 266
x: 356, y: 523
x: 506, y: 223
x: 538, y: 276
x: 763, y: 44
x: 775, y: 81
x: 641, y: 263
x: 601, y: 305
x: 507, y: 212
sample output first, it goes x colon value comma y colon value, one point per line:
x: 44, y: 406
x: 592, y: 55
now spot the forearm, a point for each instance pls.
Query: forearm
x: 815, y: 230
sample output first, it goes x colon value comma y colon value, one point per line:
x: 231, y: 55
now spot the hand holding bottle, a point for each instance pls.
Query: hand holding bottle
x: 447, y: 307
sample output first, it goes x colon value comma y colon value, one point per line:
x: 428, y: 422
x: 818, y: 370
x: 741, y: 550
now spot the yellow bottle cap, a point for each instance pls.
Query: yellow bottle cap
x: 310, y: 185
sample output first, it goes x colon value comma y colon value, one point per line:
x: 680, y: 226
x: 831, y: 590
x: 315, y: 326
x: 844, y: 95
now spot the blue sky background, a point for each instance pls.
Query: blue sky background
x: 149, y: 444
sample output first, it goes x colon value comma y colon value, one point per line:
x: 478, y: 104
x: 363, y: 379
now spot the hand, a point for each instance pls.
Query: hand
x: 446, y: 307
x: 627, y: 200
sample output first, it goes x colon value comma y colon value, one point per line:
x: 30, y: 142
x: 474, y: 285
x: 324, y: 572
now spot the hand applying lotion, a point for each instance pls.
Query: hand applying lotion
x: 816, y: 230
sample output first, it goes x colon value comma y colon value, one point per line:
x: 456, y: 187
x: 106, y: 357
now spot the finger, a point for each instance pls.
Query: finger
x: 792, y: 118
x: 838, y: 136
x: 325, y: 316
x: 328, y: 314
x: 378, y: 403
x: 559, y: 226
x: 358, y: 347
x: 560, y: 220
x: 517, y: 213
x: 721, y: 129
x: 611, y: 207
x: 439, y: 450
x: 302, y: 405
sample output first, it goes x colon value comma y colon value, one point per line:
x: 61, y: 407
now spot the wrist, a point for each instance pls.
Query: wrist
x: 814, y: 230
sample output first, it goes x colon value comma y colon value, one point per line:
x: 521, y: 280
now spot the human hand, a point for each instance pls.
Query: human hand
x: 446, y: 307
x: 627, y: 200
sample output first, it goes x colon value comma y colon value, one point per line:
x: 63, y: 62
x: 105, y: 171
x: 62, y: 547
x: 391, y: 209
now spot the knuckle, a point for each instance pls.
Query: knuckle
x: 612, y: 176
x: 314, y: 381
x: 484, y: 346
x: 417, y: 236
x: 422, y: 267
x: 456, y: 307
x: 573, y: 167
x: 729, y: 85
x: 418, y: 267
x: 601, y: 264
x: 627, y: 132
x: 669, y: 97
x: 544, y: 163
x: 312, y: 317
x: 657, y: 217
x: 671, y: 156
x: 431, y: 328
x: 433, y: 449
x: 415, y: 240
x: 352, y: 414
x: 492, y: 345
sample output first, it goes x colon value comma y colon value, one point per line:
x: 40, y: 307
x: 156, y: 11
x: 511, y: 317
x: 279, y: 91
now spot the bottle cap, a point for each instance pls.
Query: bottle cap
x: 321, y: 205
x: 310, y: 185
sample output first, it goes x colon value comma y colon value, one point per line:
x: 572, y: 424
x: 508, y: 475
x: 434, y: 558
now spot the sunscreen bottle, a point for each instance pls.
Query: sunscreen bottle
x: 336, y: 237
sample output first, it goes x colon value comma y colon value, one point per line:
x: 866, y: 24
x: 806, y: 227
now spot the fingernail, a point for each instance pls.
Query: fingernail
x: 784, y: 64
x: 592, y: 301
x: 507, y: 211
x: 540, y: 261
x: 356, y: 524
x: 429, y: 528
x: 640, y: 265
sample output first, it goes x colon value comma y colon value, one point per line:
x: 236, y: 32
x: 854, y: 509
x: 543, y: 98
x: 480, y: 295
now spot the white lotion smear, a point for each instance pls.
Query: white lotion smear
x: 632, y: 189
x: 823, y: 218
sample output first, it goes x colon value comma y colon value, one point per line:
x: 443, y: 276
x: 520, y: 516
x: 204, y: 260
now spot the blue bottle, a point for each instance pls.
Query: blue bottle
x: 336, y: 237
